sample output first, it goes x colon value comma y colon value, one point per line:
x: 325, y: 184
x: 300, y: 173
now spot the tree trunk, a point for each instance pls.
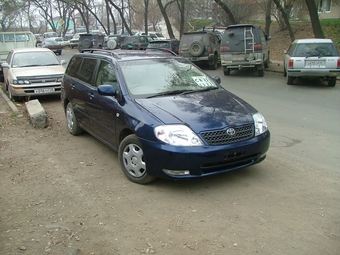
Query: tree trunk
x: 314, y: 17
x: 285, y: 16
x: 268, y: 16
x: 227, y: 11
x: 166, y: 19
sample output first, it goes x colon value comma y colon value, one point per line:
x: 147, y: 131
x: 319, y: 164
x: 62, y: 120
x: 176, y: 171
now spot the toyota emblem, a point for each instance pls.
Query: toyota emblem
x: 231, y: 131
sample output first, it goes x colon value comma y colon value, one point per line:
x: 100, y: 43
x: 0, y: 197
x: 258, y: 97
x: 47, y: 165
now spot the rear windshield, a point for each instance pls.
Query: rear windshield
x: 187, y: 39
x: 315, y: 49
x: 239, y: 37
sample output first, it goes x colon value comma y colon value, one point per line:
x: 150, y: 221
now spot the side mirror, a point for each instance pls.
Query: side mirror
x: 284, y: 51
x: 217, y: 79
x: 5, y: 65
x: 268, y: 37
x: 106, y: 90
x: 63, y: 62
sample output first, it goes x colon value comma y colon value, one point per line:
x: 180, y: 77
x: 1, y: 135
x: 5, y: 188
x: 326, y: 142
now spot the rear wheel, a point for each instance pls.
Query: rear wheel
x: 132, y: 162
x: 226, y: 71
x: 215, y: 64
x: 290, y: 79
x: 332, y: 82
x: 72, y: 123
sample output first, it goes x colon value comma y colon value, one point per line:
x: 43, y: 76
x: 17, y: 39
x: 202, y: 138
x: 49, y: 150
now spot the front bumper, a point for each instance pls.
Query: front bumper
x: 34, y: 90
x: 162, y: 159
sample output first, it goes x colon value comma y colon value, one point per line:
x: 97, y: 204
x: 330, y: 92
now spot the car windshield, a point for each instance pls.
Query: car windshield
x: 315, y: 49
x: 159, y: 77
x: 35, y: 58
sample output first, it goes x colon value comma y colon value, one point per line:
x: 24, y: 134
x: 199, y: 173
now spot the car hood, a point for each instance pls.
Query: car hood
x: 38, y: 71
x: 214, y: 109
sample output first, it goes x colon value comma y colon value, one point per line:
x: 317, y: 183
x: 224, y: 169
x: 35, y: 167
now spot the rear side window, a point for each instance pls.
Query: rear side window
x: 187, y: 39
x: 86, y: 70
x: 73, y: 66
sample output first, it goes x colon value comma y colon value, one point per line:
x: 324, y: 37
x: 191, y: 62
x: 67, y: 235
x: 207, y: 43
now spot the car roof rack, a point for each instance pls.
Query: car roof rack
x: 162, y: 50
x: 106, y: 52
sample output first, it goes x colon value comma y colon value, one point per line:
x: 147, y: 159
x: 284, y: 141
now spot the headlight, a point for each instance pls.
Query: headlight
x: 21, y: 82
x: 260, y: 124
x: 177, y: 135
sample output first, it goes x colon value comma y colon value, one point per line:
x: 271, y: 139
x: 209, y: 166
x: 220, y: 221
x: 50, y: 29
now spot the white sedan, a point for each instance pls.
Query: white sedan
x: 32, y: 72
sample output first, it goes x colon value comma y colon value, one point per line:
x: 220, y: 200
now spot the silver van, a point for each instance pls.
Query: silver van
x: 244, y: 46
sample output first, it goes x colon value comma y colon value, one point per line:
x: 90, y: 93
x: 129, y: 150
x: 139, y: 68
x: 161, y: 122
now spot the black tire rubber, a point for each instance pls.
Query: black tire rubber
x: 290, y: 80
x: 215, y: 64
x: 131, y: 159
x: 260, y: 72
x: 332, y: 82
x: 71, y: 121
x: 226, y: 71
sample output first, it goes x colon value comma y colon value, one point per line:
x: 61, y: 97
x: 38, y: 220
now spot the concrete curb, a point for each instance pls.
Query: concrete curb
x: 9, y: 102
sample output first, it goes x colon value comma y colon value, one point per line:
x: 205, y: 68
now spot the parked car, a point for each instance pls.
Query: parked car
x: 166, y: 117
x: 156, y: 35
x: 136, y: 42
x: 91, y: 40
x: 50, y: 34
x: 202, y: 47
x: 74, y: 41
x: 244, y: 46
x: 113, y: 42
x: 169, y: 44
x: 32, y: 72
x: 53, y: 44
x: 312, y: 58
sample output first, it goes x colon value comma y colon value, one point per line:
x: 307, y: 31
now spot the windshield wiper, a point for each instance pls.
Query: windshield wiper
x: 172, y: 92
x: 29, y: 65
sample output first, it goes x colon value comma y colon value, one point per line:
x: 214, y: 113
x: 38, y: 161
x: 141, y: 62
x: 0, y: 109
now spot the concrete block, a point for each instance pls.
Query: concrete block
x: 36, y: 113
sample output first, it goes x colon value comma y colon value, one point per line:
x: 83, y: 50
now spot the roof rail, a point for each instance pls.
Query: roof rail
x: 163, y: 50
x: 107, y: 52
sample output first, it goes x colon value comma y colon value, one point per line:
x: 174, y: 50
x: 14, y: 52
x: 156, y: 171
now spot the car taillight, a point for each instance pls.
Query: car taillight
x: 224, y: 48
x: 179, y: 52
x: 338, y: 63
x: 139, y: 45
x: 257, y: 46
x: 210, y: 50
x: 291, y: 63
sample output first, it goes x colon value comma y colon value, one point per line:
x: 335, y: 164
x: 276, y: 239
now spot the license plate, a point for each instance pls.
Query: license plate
x: 40, y: 91
x: 315, y: 63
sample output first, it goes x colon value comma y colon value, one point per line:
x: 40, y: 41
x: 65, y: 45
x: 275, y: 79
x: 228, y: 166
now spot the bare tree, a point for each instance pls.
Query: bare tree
x: 285, y: 12
x: 313, y: 13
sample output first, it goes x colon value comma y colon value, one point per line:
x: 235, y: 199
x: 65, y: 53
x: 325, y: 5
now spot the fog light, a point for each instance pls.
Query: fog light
x: 177, y: 172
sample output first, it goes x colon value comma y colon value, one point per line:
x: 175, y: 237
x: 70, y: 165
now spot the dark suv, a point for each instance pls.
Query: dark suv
x: 87, y: 41
x: 201, y: 47
x: 244, y: 46
x: 166, y: 117
x: 136, y: 42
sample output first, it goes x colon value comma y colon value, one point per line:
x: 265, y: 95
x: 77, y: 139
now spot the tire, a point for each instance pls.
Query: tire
x: 10, y: 95
x: 86, y: 44
x: 332, y: 82
x: 289, y: 79
x: 112, y: 44
x: 215, y: 64
x: 226, y: 71
x: 284, y: 72
x: 266, y: 63
x: 72, y: 123
x: 260, y: 72
x: 59, y: 53
x: 131, y: 159
x: 196, y: 48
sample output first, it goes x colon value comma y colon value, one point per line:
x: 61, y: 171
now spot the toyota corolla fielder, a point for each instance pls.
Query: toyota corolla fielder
x: 163, y: 115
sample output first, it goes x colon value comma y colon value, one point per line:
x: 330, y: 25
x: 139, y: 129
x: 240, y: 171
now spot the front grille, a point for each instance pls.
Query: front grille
x: 221, y: 137
x: 42, y: 79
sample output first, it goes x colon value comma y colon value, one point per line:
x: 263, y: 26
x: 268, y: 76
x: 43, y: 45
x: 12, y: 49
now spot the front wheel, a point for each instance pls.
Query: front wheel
x: 132, y: 162
x: 10, y: 95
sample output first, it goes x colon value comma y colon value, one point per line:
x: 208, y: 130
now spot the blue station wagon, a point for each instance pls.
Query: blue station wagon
x: 164, y: 116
